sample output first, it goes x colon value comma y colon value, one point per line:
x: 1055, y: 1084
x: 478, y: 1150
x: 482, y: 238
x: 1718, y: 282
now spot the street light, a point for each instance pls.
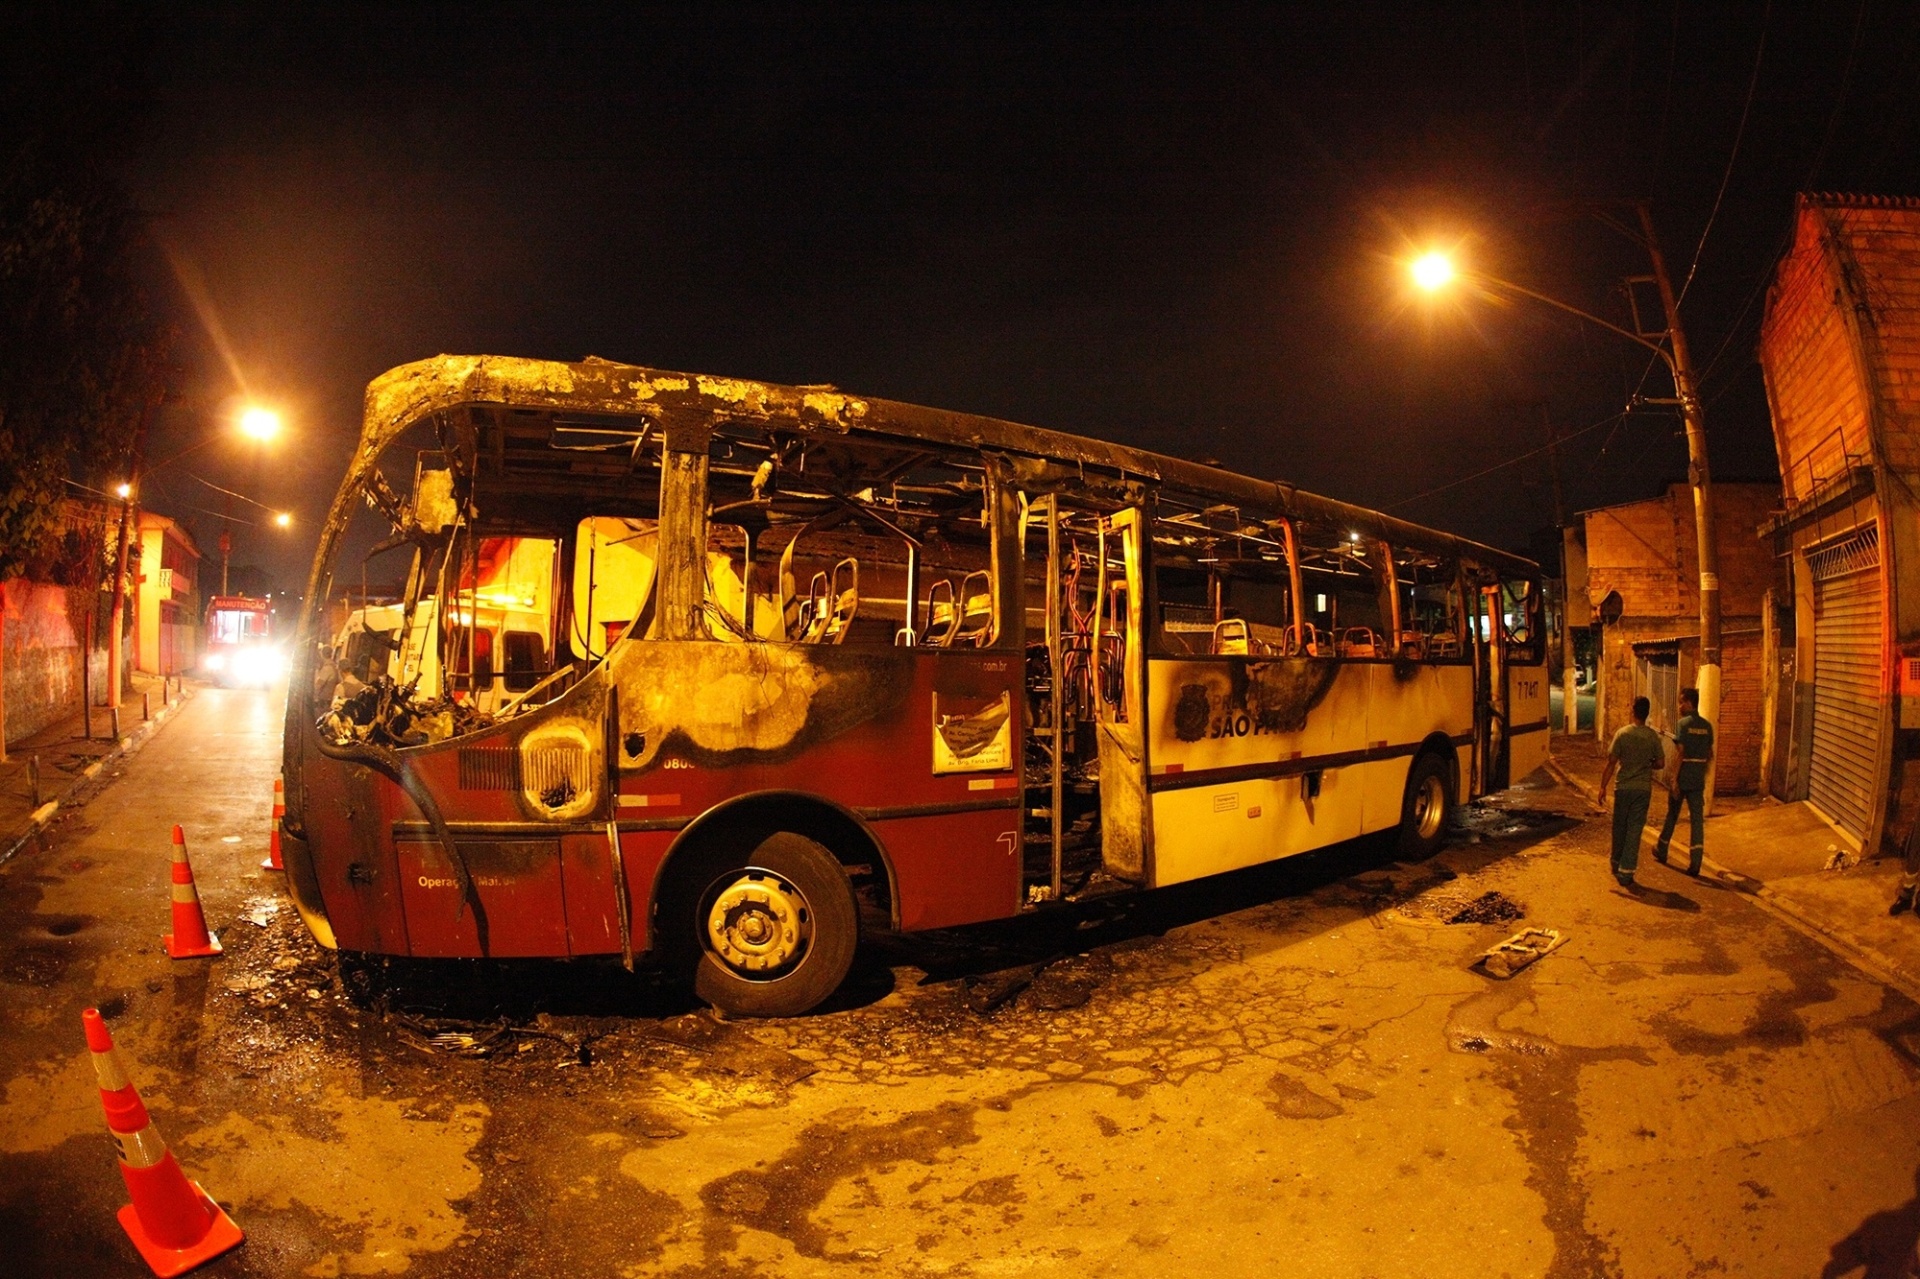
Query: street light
x: 123, y: 490
x: 259, y: 423
x: 284, y: 519
x: 1433, y: 271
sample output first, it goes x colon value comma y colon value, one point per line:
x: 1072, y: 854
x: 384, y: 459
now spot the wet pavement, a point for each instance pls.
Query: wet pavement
x: 1292, y: 1070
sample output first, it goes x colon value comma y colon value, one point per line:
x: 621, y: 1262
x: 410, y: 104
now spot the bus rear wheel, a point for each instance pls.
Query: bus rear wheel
x: 774, y: 930
x: 1426, y: 808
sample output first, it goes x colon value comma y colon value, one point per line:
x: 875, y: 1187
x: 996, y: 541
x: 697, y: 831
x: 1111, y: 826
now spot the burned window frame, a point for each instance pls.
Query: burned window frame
x: 855, y: 501
x: 593, y: 427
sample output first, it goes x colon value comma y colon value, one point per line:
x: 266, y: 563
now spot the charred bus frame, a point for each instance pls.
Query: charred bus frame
x: 792, y: 658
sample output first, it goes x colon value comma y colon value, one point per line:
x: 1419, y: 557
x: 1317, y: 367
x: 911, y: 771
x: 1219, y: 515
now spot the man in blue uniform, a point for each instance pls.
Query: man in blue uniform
x: 1636, y: 755
x: 1688, y: 785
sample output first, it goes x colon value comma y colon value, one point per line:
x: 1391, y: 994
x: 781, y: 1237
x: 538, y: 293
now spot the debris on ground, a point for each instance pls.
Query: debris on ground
x: 1051, y: 985
x: 1068, y: 983
x: 450, y: 1037
x: 1489, y: 818
x: 990, y: 990
x: 261, y: 911
x: 1839, y: 858
x: 1488, y: 908
x: 1520, y: 950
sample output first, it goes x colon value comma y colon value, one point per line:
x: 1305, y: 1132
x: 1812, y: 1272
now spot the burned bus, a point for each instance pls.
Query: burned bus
x: 718, y: 673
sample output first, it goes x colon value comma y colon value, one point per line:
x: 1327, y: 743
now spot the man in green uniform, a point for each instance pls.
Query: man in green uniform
x: 1694, y: 737
x: 1636, y: 755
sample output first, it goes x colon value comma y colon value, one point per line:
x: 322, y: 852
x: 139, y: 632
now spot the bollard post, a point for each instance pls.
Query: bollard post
x: 33, y: 779
x: 146, y: 706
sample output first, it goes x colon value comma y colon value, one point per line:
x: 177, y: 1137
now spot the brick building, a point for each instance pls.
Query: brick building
x: 1642, y: 570
x: 1840, y: 353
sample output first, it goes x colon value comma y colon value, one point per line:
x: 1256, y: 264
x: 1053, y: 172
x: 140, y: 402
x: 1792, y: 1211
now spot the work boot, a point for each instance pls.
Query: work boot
x: 1660, y: 853
x: 1902, y: 900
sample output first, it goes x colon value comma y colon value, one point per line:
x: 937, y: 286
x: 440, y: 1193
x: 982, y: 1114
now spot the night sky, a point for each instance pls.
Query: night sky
x: 1179, y: 227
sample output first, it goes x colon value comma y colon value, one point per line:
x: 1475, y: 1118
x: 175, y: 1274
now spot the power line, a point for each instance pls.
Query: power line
x: 1813, y: 171
x: 229, y: 492
x: 1727, y: 176
x: 1501, y: 466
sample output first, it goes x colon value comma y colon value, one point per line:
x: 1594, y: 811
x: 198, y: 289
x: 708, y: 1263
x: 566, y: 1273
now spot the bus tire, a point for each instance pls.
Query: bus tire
x: 1428, y: 805
x: 773, y: 929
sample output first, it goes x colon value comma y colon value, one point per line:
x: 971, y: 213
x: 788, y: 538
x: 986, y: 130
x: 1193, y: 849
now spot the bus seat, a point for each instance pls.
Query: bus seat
x: 813, y: 610
x: 1413, y: 645
x: 976, y: 609
x: 1358, y: 641
x: 841, y: 603
x: 793, y: 623
x: 1231, y: 638
x: 942, y: 619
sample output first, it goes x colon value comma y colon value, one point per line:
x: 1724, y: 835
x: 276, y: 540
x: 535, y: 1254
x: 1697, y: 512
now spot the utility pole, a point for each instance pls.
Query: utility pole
x: 129, y: 490
x: 1569, y: 670
x: 1686, y: 388
x: 116, y: 654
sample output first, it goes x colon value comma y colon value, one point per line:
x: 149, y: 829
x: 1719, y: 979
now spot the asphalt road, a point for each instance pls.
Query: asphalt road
x: 1287, y: 1072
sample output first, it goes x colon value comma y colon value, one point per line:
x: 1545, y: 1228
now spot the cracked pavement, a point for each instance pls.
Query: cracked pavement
x: 1293, y: 1068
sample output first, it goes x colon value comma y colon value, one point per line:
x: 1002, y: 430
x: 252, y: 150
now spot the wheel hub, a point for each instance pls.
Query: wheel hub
x: 759, y: 923
x: 1429, y: 807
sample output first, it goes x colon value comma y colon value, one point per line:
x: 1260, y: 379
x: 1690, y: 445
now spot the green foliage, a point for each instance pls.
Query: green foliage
x: 83, y: 356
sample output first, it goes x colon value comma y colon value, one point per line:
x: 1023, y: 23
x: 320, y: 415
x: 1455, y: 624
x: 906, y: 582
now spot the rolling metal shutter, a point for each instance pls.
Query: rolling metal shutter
x: 1848, y: 614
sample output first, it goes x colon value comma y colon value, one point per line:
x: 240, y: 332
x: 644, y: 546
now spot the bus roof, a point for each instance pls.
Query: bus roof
x: 671, y: 401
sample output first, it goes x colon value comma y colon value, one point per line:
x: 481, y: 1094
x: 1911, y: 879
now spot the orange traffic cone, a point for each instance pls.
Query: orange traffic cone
x: 189, y: 938
x: 273, y: 861
x: 173, y: 1222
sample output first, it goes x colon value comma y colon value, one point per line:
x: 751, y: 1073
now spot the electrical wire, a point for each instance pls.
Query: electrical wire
x: 1501, y: 466
x: 1727, y: 175
x: 1813, y: 172
x: 230, y: 493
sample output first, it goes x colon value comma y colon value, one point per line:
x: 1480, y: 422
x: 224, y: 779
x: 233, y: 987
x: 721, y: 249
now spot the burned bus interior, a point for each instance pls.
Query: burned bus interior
x: 530, y: 544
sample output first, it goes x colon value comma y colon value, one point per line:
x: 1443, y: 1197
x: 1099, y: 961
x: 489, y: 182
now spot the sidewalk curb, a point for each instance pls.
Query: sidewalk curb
x: 1838, y: 940
x: 128, y: 744
x: 1841, y: 942
x: 1568, y: 779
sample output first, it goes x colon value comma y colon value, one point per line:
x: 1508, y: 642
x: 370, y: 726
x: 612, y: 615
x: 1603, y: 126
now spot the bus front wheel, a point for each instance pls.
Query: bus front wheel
x: 774, y: 930
x: 1426, y: 808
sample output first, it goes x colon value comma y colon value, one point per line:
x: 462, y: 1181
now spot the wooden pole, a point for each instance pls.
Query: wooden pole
x: 1691, y: 411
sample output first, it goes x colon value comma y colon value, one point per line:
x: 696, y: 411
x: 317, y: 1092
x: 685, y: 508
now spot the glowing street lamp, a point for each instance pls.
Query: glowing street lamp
x: 259, y: 423
x: 1432, y: 271
x: 123, y: 491
x: 283, y: 519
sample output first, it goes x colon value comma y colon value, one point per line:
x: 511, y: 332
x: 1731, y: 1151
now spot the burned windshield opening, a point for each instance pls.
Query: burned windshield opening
x: 532, y: 545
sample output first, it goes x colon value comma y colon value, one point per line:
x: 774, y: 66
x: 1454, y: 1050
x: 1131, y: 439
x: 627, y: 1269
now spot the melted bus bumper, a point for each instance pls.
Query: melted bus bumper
x: 304, y: 887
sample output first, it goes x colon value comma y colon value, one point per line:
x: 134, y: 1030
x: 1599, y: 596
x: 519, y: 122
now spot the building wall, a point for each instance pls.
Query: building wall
x: 1742, y: 713
x: 1633, y: 549
x: 40, y: 656
x: 169, y: 599
x: 1648, y: 553
x: 1817, y: 395
x: 1840, y: 352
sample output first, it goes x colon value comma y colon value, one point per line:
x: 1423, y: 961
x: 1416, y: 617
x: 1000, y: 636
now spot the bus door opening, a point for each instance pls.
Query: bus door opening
x: 1119, y: 670
x: 1524, y: 664
x: 1490, y: 636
